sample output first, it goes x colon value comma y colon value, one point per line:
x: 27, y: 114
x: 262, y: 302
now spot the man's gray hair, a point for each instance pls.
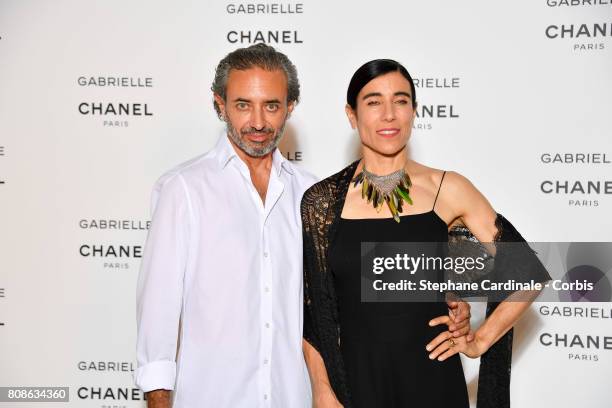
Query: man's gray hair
x: 257, y: 55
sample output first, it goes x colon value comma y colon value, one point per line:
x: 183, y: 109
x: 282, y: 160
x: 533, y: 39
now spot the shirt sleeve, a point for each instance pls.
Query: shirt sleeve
x: 159, y: 294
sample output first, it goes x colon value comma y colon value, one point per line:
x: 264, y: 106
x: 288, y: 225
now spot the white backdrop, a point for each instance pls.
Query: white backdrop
x: 512, y: 82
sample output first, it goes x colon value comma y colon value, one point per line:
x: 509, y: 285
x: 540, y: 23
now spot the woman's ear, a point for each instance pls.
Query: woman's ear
x: 351, y: 115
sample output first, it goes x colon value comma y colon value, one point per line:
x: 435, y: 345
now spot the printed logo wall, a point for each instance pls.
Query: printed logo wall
x: 97, y: 102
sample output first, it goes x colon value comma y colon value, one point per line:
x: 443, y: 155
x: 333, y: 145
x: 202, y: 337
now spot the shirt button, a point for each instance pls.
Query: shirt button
x: 265, y: 396
x: 265, y: 254
x: 267, y: 289
x: 266, y: 361
x: 267, y: 325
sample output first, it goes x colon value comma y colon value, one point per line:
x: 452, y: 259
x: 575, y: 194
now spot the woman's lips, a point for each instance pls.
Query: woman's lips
x: 388, y: 132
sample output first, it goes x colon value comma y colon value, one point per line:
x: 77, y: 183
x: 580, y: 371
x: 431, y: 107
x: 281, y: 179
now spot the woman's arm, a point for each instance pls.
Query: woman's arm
x: 463, y: 204
x: 503, y: 318
x: 323, y: 395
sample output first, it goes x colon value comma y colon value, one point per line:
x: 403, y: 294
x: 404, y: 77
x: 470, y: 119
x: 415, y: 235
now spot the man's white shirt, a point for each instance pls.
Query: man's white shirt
x: 220, y: 292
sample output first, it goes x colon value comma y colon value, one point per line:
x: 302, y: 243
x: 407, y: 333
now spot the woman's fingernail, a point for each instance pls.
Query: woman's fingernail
x: 427, y: 348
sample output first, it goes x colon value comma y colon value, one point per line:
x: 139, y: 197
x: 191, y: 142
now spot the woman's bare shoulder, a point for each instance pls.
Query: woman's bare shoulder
x: 458, y: 184
x: 467, y: 203
x: 429, y: 176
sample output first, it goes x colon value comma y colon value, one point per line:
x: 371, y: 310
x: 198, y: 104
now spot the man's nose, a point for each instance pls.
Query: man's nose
x: 257, y: 120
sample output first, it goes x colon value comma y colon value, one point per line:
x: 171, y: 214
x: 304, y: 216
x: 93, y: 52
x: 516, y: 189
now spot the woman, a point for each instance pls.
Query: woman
x: 373, y: 354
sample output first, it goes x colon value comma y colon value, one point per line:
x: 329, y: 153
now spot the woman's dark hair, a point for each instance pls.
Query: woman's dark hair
x: 374, y: 69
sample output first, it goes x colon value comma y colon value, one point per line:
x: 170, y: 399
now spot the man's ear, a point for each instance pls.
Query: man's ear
x: 221, y: 103
x: 290, y: 107
x: 352, y: 116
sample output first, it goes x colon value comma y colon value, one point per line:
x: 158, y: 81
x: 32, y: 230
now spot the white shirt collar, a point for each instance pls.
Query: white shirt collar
x: 225, y: 152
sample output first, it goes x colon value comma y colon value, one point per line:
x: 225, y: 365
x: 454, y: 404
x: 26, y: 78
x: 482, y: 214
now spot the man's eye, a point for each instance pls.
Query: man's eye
x: 272, y: 107
x: 402, y: 101
x: 373, y: 103
x: 242, y: 105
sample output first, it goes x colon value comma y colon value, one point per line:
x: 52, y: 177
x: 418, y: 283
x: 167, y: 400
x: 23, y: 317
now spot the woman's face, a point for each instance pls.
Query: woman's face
x: 384, y: 113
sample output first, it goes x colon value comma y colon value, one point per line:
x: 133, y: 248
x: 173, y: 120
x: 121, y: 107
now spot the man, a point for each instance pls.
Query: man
x: 220, y: 290
x: 224, y: 255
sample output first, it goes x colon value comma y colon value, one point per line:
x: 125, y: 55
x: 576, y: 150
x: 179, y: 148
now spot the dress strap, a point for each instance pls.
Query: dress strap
x: 439, y: 187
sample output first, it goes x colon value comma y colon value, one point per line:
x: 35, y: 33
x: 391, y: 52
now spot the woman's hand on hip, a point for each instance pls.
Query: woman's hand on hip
x: 445, y: 346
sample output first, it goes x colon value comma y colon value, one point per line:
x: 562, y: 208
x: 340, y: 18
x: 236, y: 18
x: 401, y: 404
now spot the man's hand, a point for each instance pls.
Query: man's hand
x: 458, y: 319
x: 158, y: 399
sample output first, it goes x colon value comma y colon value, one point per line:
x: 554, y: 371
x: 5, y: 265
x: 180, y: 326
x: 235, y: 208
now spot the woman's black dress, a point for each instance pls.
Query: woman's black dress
x: 383, y: 344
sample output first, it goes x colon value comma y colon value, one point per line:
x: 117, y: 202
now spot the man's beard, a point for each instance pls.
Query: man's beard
x: 261, y: 149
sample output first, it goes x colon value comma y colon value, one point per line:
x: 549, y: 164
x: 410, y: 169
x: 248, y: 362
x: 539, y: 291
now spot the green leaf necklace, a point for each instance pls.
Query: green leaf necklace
x: 392, y: 189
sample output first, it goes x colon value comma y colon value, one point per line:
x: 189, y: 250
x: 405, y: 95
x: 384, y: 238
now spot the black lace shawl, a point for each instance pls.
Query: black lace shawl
x: 320, y: 210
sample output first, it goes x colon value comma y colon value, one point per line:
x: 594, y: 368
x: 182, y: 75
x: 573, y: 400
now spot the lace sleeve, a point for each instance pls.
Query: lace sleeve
x: 513, y: 259
x: 319, y: 211
x: 310, y: 329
